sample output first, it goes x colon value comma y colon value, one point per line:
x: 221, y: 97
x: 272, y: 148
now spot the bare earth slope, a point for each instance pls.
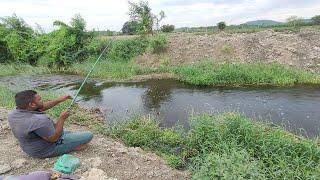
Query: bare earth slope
x: 299, y: 49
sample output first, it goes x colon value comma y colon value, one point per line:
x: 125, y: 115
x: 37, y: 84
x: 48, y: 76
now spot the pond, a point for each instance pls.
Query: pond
x: 172, y: 102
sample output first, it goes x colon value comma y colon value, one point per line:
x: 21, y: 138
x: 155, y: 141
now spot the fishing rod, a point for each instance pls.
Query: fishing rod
x: 84, y: 81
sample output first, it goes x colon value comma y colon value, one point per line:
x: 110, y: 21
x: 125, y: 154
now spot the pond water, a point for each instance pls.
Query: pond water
x: 172, y: 102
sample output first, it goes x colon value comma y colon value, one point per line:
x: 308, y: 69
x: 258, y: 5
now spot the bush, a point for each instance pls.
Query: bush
x: 316, y: 19
x: 125, y: 49
x: 221, y: 25
x: 167, y: 28
x: 130, y: 27
x: 19, y: 43
x: 158, y: 43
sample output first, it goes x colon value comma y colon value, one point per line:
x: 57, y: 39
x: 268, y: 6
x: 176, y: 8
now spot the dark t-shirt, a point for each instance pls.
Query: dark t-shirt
x: 28, y: 127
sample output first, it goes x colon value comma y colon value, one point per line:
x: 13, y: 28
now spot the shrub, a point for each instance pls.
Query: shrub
x: 316, y: 19
x: 221, y: 25
x: 158, y: 43
x: 227, y: 49
x: 130, y: 27
x: 167, y: 28
x: 125, y: 49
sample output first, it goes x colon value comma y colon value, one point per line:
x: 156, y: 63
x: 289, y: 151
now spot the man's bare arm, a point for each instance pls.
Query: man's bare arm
x: 50, y: 104
x: 59, y: 127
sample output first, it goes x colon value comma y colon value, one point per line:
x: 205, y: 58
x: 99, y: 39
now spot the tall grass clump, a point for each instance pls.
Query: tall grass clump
x: 15, y: 69
x: 158, y: 43
x: 145, y: 132
x: 113, y: 69
x: 7, y: 97
x: 226, y: 146
x: 208, y: 73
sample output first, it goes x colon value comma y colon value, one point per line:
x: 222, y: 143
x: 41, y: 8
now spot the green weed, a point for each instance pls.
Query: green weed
x: 226, y: 146
x: 208, y: 73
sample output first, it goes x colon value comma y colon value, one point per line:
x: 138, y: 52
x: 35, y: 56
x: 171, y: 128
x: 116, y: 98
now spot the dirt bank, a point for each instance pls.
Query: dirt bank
x: 105, y: 157
x: 299, y: 49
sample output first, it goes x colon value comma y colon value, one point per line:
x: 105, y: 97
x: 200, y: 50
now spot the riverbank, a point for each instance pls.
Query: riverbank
x: 202, y: 73
x: 216, y: 145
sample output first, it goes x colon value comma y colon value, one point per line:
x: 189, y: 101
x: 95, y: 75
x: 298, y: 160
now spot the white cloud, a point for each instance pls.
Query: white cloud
x: 111, y: 14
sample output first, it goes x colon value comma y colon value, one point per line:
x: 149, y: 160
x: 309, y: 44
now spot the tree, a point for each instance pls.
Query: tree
x: 130, y: 27
x: 109, y: 32
x: 294, y: 21
x: 167, y: 28
x: 159, y: 18
x: 316, y: 19
x: 17, y: 24
x: 141, y: 13
x: 68, y: 43
x: 78, y: 23
x: 221, y: 25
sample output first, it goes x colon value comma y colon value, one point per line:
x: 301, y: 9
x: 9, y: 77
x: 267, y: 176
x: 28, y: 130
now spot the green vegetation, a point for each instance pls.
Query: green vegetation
x: 7, y: 97
x: 316, y: 19
x: 295, y: 21
x: 158, y: 43
x: 126, y: 49
x: 115, y: 70
x: 204, y: 73
x: 21, y: 44
x: 15, y: 69
x: 141, y: 13
x: 208, y: 73
x: 221, y: 25
x: 130, y: 27
x: 226, y: 146
x: 227, y: 49
x: 167, y: 28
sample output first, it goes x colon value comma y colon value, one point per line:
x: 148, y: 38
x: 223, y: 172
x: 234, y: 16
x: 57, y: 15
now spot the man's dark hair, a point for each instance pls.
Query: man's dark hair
x: 23, y: 98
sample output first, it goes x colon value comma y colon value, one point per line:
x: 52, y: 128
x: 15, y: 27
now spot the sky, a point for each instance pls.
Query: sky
x: 112, y: 14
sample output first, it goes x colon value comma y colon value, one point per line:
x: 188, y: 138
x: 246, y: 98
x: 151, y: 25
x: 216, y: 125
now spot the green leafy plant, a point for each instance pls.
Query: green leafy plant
x: 125, y: 49
x: 167, y: 28
x: 158, y: 43
x: 221, y: 25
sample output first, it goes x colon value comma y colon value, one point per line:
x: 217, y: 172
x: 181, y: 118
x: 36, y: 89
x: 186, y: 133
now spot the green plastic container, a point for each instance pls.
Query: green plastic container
x: 67, y: 164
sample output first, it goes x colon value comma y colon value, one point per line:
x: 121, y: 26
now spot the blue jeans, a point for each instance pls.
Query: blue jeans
x: 70, y: 140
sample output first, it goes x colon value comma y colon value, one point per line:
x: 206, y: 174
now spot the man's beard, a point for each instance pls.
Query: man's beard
x: 39, y: 108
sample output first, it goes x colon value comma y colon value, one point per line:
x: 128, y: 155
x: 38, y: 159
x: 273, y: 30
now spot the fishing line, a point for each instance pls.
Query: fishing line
x: 84, y: 81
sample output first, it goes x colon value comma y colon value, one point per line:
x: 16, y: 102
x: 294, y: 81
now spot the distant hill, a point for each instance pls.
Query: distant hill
x: 262, y: 23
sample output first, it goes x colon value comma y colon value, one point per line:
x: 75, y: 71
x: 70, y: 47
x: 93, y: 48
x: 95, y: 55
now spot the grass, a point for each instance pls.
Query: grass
x: 208, y: 73
x: 114, y: 70
x: 16, y: 69
x: 226, y: 146
x: 203, y: 73
x: 252, y: 29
